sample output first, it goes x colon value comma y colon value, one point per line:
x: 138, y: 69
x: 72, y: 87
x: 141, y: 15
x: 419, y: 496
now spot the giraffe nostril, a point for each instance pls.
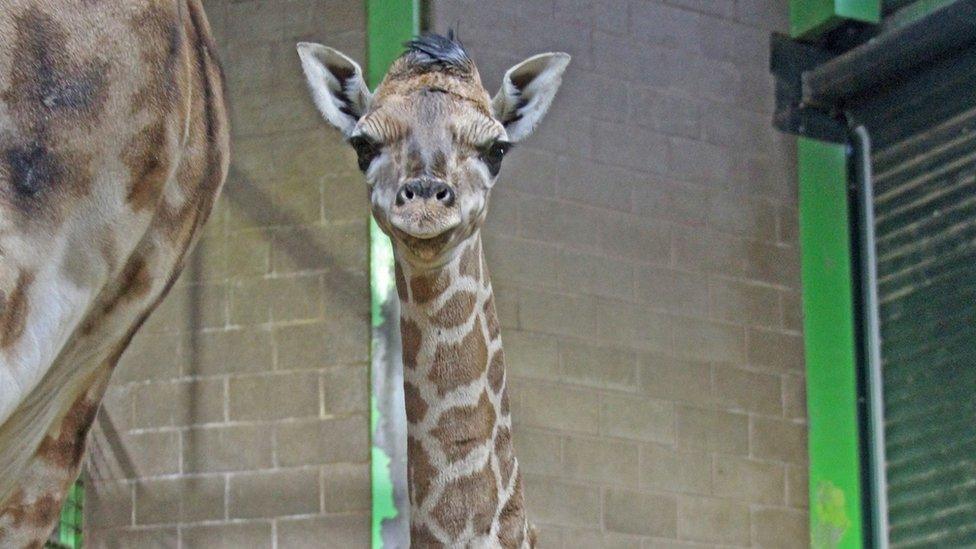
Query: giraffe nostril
x: 404, y: 195
x: 411, y: 190
x: 444, y: 194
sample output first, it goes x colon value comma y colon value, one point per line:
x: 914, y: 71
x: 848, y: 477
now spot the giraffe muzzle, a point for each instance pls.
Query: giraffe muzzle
x: 425, y: 189
x: 425, y: 208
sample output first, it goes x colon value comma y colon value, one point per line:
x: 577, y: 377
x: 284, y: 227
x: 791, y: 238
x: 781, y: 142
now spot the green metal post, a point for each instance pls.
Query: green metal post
x: 828, y: 306
x: 809, y: 18
x: 389, y: 23
x: 836, y: 468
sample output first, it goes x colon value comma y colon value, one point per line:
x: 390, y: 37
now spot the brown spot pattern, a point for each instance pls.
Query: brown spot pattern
x: 48, y: 83
x: 420, y: 473
x: 15, y: 508
x: 135, y: 279
x: 420, y: 536
x: 410, y: 337
x: 40, y: 513
x: 456, y: 311
x: 491, y: 319
x: 470, y: 262
x: 496, y: 370
x: 161, y: 43
x: 14, y: 316
x: 44, y: 510
x: 459, y: 364
x: 415, y: 404
x: 401, y: 281
x: 426, y: 287
x: 464, y: 428
x: 149, y: 166
x: 473, y: 498
x: 133, y: 283
x: 50, y: 91
x: 67, y: 448
x: 511, y: 521
x: 505, y: 453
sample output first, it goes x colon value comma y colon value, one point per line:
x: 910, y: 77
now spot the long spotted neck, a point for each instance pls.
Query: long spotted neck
x: 465, y: 486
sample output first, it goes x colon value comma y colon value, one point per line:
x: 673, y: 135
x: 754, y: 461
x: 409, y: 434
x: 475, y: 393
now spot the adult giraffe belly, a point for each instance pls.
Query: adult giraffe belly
x: 113, y: 149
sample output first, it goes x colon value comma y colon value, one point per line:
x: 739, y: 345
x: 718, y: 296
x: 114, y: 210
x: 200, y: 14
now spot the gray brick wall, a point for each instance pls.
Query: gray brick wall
x: 643, y: 248
x: 239, y: 416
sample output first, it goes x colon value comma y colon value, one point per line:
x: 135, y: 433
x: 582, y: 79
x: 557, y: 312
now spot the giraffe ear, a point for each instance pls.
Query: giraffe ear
x: 527, y: 91
x: 337, y: 85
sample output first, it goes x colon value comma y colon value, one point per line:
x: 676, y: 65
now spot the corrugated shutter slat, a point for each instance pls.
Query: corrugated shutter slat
x: 925, y: 207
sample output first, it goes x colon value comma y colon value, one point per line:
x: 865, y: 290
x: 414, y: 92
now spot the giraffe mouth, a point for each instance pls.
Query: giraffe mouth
x: 424, y: 224
x: 426, y: 239
x: 425, y: 248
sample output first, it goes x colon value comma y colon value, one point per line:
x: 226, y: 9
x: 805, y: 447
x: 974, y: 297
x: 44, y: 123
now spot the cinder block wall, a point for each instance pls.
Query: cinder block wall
x: 644, y: 252
x: 239, y: 416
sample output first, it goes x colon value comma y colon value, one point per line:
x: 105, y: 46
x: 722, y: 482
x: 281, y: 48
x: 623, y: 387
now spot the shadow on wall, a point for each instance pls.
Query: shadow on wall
x: 108, y: 458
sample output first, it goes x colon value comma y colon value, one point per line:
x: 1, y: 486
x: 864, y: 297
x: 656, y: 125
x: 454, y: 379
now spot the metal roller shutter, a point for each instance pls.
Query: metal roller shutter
x: 925, y: 206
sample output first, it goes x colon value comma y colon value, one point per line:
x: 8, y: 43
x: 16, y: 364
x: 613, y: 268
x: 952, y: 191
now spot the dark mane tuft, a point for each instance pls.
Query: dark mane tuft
x: 438, y: 53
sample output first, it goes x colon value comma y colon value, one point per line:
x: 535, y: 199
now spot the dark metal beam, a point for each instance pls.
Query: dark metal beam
x: 788, y: 61
x: 891, y: 56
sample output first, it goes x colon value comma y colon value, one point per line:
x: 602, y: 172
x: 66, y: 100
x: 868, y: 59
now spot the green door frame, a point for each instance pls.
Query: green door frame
x: 836, y: 507
x: 837, y: 464
x: 389, y: 23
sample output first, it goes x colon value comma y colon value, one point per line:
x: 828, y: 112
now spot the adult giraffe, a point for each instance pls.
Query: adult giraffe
x: 113, y: 148
x: 431, y: 142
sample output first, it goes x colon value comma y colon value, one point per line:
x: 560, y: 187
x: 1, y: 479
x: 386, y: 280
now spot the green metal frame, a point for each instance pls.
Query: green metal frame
x: 389, y: 23
x: 828, y: 305
x: 809, y: 18
x: 837, y: 465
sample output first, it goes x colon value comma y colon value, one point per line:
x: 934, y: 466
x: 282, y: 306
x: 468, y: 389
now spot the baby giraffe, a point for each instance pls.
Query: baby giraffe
x: 431, y: 141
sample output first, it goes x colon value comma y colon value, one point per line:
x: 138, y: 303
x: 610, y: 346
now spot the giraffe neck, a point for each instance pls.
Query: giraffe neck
x: 465, y: 486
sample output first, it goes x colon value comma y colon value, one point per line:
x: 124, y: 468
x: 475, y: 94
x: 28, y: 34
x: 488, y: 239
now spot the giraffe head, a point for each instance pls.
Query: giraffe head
x: 430, y: 140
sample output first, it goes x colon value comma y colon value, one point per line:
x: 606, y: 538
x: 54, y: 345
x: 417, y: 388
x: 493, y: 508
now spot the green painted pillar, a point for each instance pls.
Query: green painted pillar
x: 828, y: 306
x: 389, y: 23
x: 837, y: 517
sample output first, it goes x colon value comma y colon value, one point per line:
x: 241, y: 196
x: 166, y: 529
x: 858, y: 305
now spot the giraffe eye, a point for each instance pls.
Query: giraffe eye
x: 366, y: 149
x: 492, y: 156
